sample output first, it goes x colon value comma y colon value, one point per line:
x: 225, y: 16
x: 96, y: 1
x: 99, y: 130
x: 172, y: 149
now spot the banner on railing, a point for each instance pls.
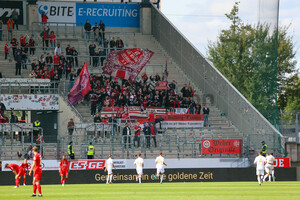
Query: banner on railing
x: 30, y: 101
x: 133, y: 112
x: 7, y: 8
x: 112, y: 15
x: 17, y: 82
x: 182, y: 121
x: 93, y: 126
x: 99, y: 164
x: 222, y: 146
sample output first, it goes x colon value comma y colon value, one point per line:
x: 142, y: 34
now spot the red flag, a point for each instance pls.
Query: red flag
x: 127, y: 63
x: 81, y: 87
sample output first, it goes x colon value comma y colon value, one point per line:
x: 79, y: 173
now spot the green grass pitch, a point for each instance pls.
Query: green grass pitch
x: 155, y: 191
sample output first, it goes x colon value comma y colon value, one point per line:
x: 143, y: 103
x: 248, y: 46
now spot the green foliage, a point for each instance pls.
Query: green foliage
x: 247, y: 55
x: 290, y: 98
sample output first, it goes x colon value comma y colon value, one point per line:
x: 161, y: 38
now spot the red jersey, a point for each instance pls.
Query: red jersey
x: 6, y: 49
x: 64, y: 165
x: 24, y: 166
x: 152, y: 130
x: 14, y: 167
x: 52, y: 37
x: 151, y: 117
x: 137, y: 130
x: 38, y: 159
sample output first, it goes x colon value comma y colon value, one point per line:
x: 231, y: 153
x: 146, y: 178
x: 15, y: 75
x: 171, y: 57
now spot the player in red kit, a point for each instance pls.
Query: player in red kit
x: 37, y: 172
x: 64, y: 170
x: 15, y: 169
x: 23, y: 171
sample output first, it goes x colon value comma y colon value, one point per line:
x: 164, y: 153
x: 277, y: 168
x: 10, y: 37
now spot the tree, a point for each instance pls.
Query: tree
x: 290, y: 98
x: 256, y: 60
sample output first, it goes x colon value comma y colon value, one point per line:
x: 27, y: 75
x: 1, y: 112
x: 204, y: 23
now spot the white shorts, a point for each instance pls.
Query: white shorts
x: 139, y: 171
x: 160, y: 170
x: 260, y: 172
x: 109, y: 170
x: 269, y: 168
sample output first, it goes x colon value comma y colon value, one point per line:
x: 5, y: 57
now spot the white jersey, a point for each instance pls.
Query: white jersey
x: 260, y: 162
x: 139, y: 163
x: 109, y: 163
x: 159, y: 162
x: 270, y: 160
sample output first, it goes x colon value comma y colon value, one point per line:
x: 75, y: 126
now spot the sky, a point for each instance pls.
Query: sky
x: 201, y: 20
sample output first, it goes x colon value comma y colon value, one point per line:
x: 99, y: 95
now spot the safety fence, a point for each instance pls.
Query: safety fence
x: 108, y: 138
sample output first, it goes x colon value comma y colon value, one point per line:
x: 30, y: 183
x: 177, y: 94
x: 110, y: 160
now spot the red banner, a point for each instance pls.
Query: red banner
x: 161, y: 85
x: 81, y: 87
x: 127, y: 63
x: 181, y: 117
x: 282, y: 162
x: 226, y: 146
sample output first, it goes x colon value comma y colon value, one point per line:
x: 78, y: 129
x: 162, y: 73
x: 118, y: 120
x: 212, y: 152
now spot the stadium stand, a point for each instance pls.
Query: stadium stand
x: 176, y: 143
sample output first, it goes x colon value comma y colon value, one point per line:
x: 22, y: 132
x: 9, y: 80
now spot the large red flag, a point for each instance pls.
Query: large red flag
x: 81, y: 87
x: 127, y: 63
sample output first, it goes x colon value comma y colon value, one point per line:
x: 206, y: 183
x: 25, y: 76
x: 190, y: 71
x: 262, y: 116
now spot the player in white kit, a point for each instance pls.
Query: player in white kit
x: 139, y: 163
x: 108, y: 168
x: 260, y: 162
x: 160, y: 167
x: 270, y: 167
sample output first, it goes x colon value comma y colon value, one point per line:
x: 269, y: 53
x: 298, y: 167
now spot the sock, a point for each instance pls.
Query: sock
x: 265, y: 177
x: 140, y: 179
x: 39, y: 188
x: 269, y: 177
x: 161, y: 178
x: 110, y: 178
x: 65, y: 180
x: 107, y: 181
x: 34, y: 189
x: 62, y: 181
x: 24, y: 180
x: 258, y: 178
x: 17, y: 182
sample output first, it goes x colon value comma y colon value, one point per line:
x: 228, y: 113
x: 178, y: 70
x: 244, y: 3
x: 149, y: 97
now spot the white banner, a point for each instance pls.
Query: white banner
x: 99, y: 164
x: 94, y: 126
x: 24, y: 82
x: 30, y: 102
x: 64, y: 12
x: 182, y: 124
x: 181, y: 110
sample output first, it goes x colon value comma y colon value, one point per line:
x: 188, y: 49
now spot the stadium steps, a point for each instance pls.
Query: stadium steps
x: 159, y: 58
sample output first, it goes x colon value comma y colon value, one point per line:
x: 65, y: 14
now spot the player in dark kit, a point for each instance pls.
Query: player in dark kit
x: 64, y: 170
x: 37, y: 172
x: 15, y: 169
x: 24, y: 171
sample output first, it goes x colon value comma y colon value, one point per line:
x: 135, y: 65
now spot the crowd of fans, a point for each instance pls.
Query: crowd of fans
x: 108, y: 92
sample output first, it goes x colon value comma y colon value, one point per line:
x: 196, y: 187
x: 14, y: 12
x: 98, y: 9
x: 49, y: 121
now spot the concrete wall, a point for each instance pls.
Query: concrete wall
x: 294, y: 151
x: 145, y: 21
x: 32, y: 15
x: 64, y: 116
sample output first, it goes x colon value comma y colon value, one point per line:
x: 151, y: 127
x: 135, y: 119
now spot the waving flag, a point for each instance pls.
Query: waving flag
x: 81, y: 87
x: 127, y: 63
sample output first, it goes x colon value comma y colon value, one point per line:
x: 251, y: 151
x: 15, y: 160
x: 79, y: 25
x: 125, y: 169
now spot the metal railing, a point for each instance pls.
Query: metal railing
x: 60, y: 28
x: 212, y: 83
